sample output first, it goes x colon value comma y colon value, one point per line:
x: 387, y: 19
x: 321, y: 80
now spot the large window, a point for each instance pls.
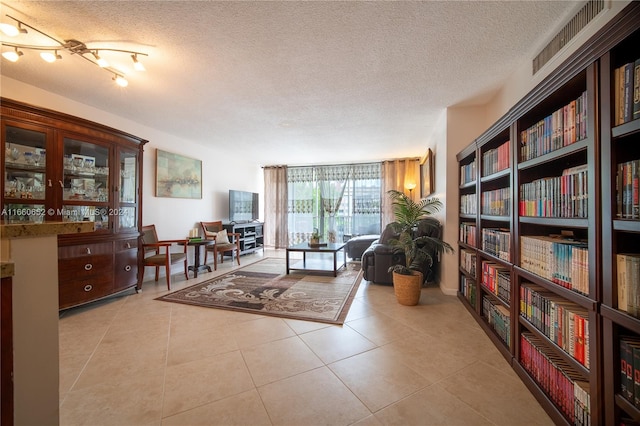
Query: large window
x: 338, y: 200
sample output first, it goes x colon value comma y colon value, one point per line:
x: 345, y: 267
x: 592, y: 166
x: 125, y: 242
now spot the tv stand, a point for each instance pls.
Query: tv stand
x: 251, y: 235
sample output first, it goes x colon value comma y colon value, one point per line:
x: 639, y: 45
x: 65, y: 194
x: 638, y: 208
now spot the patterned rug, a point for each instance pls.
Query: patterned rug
x: 264, y: 288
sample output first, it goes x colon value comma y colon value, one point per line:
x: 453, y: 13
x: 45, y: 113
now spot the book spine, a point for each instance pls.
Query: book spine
x: 623, y: 301
x: 635, y: 202
x: 627, y: 100
x: 636, y: 89
x: 636, y: 375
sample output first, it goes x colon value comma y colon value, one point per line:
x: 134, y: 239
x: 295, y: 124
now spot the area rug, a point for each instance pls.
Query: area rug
x: 264, y: 288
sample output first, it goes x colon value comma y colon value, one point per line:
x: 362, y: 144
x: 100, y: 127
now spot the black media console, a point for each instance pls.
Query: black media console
x: 251, y: 235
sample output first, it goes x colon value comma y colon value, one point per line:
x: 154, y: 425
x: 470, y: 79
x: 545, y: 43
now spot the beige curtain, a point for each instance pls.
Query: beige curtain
x: 275, y: 207
x: 396, y: 174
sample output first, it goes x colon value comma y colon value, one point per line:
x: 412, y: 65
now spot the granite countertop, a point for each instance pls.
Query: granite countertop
x: 6, y: 269
x: 18, y: 230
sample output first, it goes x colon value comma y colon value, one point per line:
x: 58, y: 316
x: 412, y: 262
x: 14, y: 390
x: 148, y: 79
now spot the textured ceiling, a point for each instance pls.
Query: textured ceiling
x: 290, y: 82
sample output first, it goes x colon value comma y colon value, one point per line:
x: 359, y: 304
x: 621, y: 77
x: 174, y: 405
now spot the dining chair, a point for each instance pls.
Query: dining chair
x: 158, y: 253
x: 225, y: 242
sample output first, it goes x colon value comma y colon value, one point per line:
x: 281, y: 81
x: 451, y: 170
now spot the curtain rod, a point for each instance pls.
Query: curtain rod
x: 341, y: 164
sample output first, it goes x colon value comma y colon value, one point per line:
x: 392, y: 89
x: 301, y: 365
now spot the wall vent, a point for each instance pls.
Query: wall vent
x: 589, y: 11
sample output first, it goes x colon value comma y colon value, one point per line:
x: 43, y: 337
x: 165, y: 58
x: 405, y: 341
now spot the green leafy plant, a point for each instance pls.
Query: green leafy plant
x: 315, y: 235
x: 409, y: 215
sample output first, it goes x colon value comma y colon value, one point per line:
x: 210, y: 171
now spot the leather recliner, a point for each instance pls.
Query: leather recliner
x: 380, y: 256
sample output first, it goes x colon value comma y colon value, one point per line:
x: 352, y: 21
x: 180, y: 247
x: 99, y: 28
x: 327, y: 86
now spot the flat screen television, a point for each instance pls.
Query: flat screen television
x: 243, y: 206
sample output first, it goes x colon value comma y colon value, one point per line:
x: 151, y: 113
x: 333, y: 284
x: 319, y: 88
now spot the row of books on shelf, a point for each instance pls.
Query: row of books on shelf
x: 558, y: 259
x: 564, y: 323
x: 468, y: 204
x: 628, y: 282
x: 468, y: 172
x: 630, y: 369
x: 498, y: 318
x: 557, y: 196
x: 468, y: 233
x: 497, y: 202
x: 468, y: 289
x: 497, y: 159
x: 497, y: 242
x: 626, y: 92
x: 627, y: 199
x: 497, y: 280
x: 563, y: 127
x: 468, y: 261
x: 562, y: 384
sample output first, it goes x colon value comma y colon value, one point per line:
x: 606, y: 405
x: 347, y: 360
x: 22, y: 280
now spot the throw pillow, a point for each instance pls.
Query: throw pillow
x: 222, y: 237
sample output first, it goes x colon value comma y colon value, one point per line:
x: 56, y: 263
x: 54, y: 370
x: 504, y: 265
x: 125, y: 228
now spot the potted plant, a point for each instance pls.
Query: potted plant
x: 315, y: 237
x: 417, y: 249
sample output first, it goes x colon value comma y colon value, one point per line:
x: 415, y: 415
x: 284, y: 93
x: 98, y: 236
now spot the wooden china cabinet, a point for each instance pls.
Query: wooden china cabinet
x: 56, y: 167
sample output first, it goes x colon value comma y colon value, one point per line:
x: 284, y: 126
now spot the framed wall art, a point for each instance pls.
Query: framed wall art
x: 427, y: 174
x: 178, y: 176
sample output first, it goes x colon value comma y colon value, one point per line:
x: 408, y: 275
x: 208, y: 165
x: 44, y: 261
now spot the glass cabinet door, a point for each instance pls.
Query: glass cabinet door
x: 25, y: 174
x: 127, y: 212
x: 85, y: 182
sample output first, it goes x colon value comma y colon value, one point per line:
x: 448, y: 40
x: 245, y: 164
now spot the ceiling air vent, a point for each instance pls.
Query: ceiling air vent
x: 589, y: 11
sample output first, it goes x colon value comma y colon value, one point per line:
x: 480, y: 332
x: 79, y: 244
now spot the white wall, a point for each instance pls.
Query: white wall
x: 463, y: 123
x: 173, y: 217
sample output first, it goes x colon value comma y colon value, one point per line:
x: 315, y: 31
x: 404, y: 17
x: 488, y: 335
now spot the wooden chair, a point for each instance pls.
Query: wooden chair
x: 155, y: 256
x: 210, y: 230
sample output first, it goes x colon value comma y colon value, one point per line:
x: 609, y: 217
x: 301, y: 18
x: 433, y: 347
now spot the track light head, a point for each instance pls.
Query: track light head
x: 102, y: 63
x: 120, y: 80
x: 12, y: 55
x: 50, y: 57
x: 137, y: 65
x: 12, y: 30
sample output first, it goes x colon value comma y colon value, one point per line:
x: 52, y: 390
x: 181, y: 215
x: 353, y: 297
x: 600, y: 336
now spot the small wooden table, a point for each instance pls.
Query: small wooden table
x: 196, y: 267
x: 318, y: 265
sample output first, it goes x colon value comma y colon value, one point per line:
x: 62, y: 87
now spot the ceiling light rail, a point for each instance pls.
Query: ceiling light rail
x: 72, y: 46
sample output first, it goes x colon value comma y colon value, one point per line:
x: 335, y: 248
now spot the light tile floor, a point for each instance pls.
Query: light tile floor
x: 132, y: 360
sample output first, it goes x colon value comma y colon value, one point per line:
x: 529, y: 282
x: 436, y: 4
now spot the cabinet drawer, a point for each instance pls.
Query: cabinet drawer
x: 85, y: 250
x: 84, y: 267
x: 80, y: 290
x: 128, y: 244
x: 126, y: 269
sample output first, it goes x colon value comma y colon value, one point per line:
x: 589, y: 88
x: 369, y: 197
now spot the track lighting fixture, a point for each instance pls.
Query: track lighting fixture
x: 72, y: 46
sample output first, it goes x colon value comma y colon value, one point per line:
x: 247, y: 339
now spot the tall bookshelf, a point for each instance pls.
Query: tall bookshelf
x: 541, y: 274
x: 621, y: 229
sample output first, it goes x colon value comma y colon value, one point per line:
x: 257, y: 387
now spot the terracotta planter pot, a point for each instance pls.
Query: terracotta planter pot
x: 407, y: 288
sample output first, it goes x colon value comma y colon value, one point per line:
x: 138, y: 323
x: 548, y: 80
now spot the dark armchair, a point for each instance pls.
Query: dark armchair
x: 381, y: 255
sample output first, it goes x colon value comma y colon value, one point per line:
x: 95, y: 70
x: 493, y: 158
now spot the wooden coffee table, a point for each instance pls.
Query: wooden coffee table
x: 318, y: 264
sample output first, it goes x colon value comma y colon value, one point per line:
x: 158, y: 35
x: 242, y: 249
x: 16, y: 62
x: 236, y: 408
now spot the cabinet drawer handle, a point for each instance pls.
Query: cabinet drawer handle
x: 88, y: 287
x: 88, y: 267
x: 88, y: 250
x: 128, y: 245
x: 127, y: 268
